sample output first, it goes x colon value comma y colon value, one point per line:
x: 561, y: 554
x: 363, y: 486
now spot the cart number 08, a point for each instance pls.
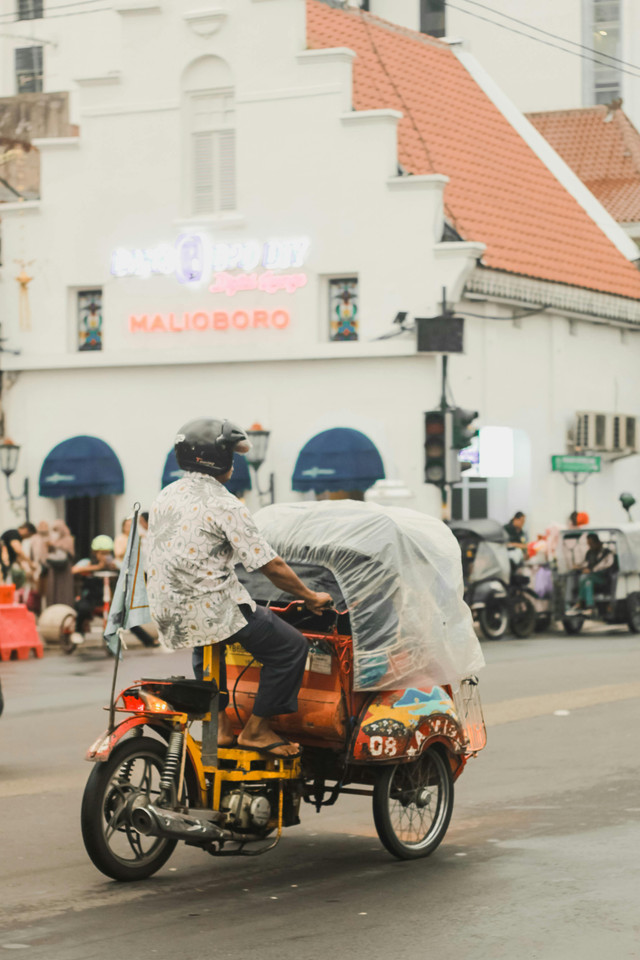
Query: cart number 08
x: 380, y: 746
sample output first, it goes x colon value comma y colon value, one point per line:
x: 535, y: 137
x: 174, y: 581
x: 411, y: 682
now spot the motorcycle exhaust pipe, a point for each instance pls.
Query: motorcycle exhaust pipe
x: 172, y: 825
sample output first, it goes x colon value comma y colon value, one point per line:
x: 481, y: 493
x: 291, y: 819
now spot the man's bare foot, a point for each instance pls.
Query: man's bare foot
x: 257, y: 734
x: 225, y: 730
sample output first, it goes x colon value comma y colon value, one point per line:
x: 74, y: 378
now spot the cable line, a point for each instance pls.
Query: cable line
x: 547, y: 33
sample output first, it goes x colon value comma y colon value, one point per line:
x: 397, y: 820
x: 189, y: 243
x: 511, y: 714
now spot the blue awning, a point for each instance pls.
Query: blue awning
x: 338, y: 459
x: 81, y: 467
x: 239, y: 483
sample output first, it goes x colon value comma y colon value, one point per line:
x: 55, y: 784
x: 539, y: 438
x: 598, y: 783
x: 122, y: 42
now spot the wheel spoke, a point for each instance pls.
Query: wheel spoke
x: 416, y: 801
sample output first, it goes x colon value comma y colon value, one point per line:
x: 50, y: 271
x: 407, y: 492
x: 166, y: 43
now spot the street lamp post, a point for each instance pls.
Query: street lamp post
x: 256, y: 456
x: 9, y: 453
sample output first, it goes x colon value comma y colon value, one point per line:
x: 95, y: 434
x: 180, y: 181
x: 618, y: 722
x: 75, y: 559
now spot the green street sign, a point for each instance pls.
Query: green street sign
x: 575, y: 464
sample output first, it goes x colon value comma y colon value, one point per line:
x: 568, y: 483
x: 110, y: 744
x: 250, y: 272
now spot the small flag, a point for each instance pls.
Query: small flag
x: 130, y: 604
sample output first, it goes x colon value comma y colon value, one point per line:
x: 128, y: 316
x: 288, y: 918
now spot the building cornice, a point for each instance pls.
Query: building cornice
x: 577, y: 302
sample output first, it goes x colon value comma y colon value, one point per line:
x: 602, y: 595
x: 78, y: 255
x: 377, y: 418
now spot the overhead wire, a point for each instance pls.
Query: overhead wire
x: 546, y: 43
x: 548, y: 33
x: 14, y: 18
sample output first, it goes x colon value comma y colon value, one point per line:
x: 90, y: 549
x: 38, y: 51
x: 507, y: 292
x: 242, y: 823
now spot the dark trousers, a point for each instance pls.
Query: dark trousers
x: 282, y: 651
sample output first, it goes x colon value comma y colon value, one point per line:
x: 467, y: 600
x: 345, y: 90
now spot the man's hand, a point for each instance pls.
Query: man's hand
x: 318, y: 602
x: 283, y: 577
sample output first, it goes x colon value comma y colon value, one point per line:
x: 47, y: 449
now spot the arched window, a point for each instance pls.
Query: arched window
x: 210, y: 137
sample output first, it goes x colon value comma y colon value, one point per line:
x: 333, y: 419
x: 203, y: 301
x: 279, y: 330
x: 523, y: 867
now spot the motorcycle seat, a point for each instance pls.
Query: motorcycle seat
x: 185, y: 695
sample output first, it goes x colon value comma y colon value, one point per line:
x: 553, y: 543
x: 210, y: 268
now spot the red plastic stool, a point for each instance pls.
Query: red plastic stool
x: 18, y: 634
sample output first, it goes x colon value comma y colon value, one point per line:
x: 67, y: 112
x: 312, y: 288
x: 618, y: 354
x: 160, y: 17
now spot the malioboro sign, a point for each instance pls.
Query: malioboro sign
x: 267, y: 267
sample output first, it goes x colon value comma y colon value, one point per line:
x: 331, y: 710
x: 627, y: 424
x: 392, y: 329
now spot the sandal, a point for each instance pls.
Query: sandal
x: 270, y: 749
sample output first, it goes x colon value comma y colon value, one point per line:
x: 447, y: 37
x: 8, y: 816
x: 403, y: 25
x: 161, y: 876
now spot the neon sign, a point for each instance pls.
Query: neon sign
x: 194, y: 257
x: 267, y: 282
x: 201, y: 320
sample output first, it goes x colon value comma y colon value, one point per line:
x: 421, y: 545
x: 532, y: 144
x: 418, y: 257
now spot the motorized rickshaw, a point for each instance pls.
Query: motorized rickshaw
x: 389, y: 706
x: 617, y: 598
x: 498, y: 597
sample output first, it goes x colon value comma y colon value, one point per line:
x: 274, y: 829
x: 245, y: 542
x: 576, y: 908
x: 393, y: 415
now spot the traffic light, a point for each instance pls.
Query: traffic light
x: 463, y: 429
x: 435, y: 447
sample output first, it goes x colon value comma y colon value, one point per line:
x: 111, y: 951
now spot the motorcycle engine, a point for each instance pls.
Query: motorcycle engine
x: 246, y: 809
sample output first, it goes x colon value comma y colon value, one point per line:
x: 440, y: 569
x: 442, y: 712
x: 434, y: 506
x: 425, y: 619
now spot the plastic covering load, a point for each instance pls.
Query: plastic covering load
x: 400, y: 578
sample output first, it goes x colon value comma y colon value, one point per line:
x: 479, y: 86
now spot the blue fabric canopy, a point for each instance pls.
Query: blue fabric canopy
x: 338, y: 459
x: 81, y: 467
x: 239, y: 483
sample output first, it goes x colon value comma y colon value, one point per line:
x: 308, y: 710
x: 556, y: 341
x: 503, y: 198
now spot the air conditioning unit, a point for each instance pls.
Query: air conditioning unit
x: 605, y: 432
x: 624, y: 432
x: 590, y: 431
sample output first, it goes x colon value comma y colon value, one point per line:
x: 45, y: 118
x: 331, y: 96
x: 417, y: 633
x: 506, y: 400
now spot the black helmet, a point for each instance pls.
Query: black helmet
x: 208, y: 446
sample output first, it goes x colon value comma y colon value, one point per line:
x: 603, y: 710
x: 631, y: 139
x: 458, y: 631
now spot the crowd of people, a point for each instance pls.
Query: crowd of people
x: 40, y: 561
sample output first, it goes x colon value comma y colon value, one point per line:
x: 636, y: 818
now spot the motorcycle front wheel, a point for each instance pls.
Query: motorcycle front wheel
x: 494, y: 619
x: 412, y: 805
x: 133, y: 770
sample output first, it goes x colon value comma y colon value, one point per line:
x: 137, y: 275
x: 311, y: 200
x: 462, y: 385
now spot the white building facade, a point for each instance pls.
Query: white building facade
x: 227, y: 237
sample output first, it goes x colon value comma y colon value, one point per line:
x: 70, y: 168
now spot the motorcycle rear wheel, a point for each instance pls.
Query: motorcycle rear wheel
x: 113, y: 845
x: 494, y: 619
x: 412, y: 805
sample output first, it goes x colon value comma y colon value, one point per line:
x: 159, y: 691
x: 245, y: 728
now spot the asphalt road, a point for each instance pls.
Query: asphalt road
x: 541, y: 859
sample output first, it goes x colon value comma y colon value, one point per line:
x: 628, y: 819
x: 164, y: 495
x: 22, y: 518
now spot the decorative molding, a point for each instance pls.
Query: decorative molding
x: 586, y: 304
x: 116, y: 109
x: 452, y: 249
x: 371, y: 116
x: 289, y: 93
x: 421, y: 181
x: 212, y: 354
x: 327, y: 55
x: 102, y: 80
x: 20, y: 206
x: 55, y: 143
x: 205, y: 23
x: 138, y: 6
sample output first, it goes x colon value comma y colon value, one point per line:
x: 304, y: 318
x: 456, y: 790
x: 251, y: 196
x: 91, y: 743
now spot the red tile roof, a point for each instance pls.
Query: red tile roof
x: 604, y: 153
x: 499, y: 191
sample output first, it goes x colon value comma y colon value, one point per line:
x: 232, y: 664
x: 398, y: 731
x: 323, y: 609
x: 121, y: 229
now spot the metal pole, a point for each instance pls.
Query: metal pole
x: 576, y: 483
x: 26, y: 498
x: 444, y: 506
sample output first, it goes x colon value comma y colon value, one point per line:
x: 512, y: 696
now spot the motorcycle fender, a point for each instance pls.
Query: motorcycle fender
x: 399, y: 724
x: 101, y: 749
x: 489, y: 590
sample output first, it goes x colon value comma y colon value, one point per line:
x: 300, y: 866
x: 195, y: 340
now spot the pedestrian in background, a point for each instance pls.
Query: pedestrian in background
x: 38, y: 550
x: 60, y: 557
x: 120, y: 542
x: 16, y: 565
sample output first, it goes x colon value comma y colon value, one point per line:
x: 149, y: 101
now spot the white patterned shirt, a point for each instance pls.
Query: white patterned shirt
x: 198, y: 532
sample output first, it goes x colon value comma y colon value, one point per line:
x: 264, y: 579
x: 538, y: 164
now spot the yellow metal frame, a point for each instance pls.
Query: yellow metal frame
x: 270, y: 768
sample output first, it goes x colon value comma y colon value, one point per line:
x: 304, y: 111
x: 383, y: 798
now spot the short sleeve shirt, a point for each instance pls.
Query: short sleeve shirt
x: 198, y: 532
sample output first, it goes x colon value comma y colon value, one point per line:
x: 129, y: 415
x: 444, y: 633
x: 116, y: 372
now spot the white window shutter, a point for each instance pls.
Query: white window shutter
x: 226, y: 172
x: 203, y: 200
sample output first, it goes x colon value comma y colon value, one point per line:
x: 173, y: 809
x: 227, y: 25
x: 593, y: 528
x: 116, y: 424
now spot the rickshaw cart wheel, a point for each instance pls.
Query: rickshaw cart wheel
x: 119, y: 851
x: 633, y: 612
x: 573, y: 625
x: 412, y: 805
x: 494, y: 619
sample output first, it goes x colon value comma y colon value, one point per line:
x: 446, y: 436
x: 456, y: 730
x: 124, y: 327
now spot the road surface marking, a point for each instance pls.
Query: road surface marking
x: 525, y: 708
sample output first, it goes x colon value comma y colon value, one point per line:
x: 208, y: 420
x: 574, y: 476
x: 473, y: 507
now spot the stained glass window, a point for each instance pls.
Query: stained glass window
x: 89, y: 319
x: 343, y: 308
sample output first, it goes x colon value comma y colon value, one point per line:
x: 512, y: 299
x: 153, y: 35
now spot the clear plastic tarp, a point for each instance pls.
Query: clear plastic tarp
x: 400, y: 575
x: 491, y: 560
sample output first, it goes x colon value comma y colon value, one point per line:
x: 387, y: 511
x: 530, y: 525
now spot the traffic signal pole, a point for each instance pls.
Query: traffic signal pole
x: 444, y: 502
